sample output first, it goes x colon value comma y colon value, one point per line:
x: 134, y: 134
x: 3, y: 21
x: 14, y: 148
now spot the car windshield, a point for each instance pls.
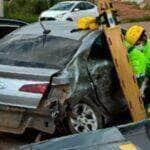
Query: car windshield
x: 28, y: 51
x: 62, y: 6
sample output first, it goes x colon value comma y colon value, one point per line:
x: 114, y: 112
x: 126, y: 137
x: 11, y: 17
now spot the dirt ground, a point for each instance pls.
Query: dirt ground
x: 11, y: 142
x: 127, y: 11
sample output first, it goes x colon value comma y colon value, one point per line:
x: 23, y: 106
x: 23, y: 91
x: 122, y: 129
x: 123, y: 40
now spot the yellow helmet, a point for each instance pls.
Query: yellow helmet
x: 85, y: 22
x: 93, y: 26
x: 133, y: 34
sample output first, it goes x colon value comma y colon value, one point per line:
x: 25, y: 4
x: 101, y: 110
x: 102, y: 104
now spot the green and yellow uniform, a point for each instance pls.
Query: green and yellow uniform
x: 139, y: 57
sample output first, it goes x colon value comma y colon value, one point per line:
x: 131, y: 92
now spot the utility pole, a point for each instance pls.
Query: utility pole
x: 1, y: 8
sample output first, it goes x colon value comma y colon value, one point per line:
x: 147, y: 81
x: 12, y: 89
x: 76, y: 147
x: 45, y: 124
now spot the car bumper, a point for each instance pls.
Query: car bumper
x: 16, y: 120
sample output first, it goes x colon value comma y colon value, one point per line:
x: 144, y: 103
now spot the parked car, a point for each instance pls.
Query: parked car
x: 65, y: 76
x: 70, y: 10
x: 9, y: 25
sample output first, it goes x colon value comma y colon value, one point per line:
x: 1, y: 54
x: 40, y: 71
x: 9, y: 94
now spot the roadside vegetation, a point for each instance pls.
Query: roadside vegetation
x: 26, y: 10
x: 147, y: 7
x: 29, y: 10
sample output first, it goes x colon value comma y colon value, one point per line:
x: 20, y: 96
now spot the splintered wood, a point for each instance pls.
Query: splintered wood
x: 126, y: 76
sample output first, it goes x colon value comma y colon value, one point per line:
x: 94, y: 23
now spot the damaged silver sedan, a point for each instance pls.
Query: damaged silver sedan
x: 63, y: 76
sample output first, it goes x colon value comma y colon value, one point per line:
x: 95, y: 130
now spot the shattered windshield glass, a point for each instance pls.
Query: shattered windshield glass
x: 29, y: 51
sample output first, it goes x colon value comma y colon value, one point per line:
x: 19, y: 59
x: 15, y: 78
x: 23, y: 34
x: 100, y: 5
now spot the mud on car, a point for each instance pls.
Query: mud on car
x: 64, y: 75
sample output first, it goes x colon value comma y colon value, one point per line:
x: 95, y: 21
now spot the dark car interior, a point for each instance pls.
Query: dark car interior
x: 9, y: 25
x: 4, y: 30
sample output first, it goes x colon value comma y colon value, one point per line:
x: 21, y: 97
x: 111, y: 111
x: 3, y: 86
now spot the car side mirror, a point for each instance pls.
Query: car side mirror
x: 76, y: 10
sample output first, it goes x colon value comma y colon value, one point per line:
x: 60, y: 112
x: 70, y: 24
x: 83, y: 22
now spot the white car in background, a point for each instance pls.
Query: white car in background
x: 70, y: 11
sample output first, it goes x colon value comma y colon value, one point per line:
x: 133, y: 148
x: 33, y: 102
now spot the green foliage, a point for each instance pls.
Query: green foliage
x: 27, y: 10
x: 147, y: 7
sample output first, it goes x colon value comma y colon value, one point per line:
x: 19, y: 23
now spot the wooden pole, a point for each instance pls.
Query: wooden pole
x: 1, y: 8
x: 119, y: 55
x: 126, y: 76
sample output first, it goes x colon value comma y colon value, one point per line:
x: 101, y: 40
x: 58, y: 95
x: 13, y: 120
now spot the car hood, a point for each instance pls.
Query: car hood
x: 52, y: 13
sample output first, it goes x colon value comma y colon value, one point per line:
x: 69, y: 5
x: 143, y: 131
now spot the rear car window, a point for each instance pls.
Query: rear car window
x: 29, y: 52
x: 89, y: 6
x: 81, y: 6
x: 4, y: 30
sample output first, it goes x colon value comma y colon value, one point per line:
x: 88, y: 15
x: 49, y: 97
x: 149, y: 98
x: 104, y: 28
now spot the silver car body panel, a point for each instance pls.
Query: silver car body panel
x: 16, y: 78
x: 37, y: 113
x: 10, y: 94
x: 26, y: 72
x: 55, y: 27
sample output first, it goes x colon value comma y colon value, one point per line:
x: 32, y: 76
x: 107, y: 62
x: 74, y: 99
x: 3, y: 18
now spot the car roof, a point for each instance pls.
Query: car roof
x: 12, y: 22
x: 60, y: 29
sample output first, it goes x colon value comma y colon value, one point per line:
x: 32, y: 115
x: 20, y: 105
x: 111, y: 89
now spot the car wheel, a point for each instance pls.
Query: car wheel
x: 69, y: 19
x: 84, y: 117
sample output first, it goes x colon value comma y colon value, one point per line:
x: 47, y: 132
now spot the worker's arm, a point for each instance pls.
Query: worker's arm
x: 138, y: 61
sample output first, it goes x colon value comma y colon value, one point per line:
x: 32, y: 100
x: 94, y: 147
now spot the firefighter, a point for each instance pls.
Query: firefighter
x: 138, y: 46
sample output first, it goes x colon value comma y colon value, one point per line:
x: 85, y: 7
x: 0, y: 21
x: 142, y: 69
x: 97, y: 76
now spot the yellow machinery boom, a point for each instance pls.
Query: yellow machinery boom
x: 119, y: 55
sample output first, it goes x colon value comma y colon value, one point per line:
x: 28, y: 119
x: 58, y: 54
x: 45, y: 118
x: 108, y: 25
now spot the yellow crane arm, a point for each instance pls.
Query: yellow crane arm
x: 119, y: 55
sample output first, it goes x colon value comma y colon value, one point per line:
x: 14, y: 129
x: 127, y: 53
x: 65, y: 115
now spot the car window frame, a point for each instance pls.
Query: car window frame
x: 72, y: 7
x: 85, y: 3
x: 78, y: 7
x: 103, y: 51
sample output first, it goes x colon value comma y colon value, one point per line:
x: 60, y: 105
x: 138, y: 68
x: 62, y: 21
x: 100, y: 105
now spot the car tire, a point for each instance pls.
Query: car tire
x: 69, y: 19
x: 85, y: 116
